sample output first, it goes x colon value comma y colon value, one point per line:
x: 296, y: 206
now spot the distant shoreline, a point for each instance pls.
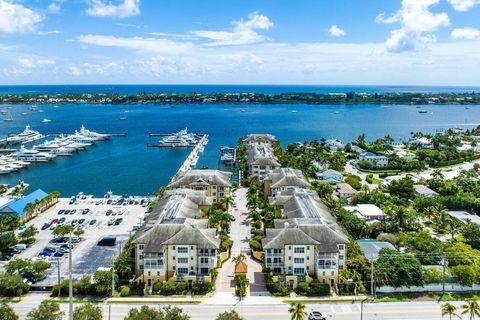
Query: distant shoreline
x: 337, y: 98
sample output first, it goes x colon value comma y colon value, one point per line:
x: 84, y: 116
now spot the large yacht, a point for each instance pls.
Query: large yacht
x: 53, y: 147
x: 179, y: 139
x: 32, y: 155
x: 26, y: 136
x: 93, y: 135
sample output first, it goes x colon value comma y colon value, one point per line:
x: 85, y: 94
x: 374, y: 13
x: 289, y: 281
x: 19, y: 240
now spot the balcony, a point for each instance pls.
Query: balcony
x: 153, y: 265
x: 326, y: 264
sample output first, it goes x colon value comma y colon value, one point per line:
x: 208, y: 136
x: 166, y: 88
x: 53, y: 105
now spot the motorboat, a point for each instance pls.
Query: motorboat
x: 32, y: 155
x: 26, y: 136
x: 4, y: 170
x: 179, y: 139
x: 93, y: 135
x: 45, y: 120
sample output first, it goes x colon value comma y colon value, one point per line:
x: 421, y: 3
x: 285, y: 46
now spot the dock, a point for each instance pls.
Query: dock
x: 192, y: 158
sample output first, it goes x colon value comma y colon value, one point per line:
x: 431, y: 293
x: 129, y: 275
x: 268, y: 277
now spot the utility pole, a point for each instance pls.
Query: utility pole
x: 372, y: 282
x: 58, y: 275
x: 444, y: 262
x: 70, y: 281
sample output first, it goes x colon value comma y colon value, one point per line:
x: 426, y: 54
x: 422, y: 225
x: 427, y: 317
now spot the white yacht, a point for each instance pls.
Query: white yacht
x: 53, y: 147
x: 93, y: 135
x: 45, y: 120
x: 32, y: 155
x: 179, y: 139
x: 79, y: 138
x: 26, y: 136
x: 4, y: 170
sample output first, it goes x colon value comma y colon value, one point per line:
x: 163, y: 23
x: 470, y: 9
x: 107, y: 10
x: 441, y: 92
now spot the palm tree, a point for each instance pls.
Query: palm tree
x: 472, y: 308
x: 361, y: 139
x: 297, y: 311
x: 449, y: 309
x: 227, y: 201
x: 240, y: 257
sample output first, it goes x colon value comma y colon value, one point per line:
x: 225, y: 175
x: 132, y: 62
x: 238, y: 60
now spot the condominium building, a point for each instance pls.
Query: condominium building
x: 175, y: 243
x: 261, y: 159
x: 215, y: 183
x: 308, y: 244
x: 282, y: 179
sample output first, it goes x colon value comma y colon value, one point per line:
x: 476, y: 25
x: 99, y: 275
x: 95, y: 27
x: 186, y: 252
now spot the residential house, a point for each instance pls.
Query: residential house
x: 344, y: 191
x: 174, y: 243
x: 409, y: 156
x: 373, y: 159
x: 214, y: 183
x: 367, y: 212
x: 334, y: 144
x: 330, y: 176
x: 424, y: 191
x: 282, y: 179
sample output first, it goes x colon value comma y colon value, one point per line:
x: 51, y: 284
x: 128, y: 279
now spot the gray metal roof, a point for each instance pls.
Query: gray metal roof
x: 202, y: 176
x: 287, y: 177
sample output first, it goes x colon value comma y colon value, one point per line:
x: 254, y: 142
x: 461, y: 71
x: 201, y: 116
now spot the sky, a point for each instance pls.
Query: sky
x: 323, y: 42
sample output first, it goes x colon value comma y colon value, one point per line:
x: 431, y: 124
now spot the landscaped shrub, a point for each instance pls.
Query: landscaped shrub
x: 202, y: 288
x: 303, y: 289
x: 258, y: 225
x: 259, y: 232
x: 318, y: 288
x: 170, y: 288
x: 255, y: 245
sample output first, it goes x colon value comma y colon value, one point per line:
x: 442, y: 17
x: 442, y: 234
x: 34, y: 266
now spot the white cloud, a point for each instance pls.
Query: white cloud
x: 50, y: 32
x: 417, y: 25
x: 31, y: 63
x: 163, y: 46
x: 335, y: 31
x: 244, y: 32
x: 465, y: 34
x: 463, y: 5
x: 126, y: 8
x: 54, y: 8
x: 16, y: 18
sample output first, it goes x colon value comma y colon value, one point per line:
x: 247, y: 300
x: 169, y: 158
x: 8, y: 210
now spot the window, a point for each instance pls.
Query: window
x: 333, y: 273
x: 141, y: 247
x: 340, y: 256
x: 299, y: 271
x: 203, y: 260
x: 299, y: 250
x: 182, y: 250
x: 149, y: 273
x: 298, y: 260
x: 158, y: 273
x: 340, y: 246
x: 182, y: 260
x: 182, y: 270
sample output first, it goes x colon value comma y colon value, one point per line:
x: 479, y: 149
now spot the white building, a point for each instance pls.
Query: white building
x: 373, y: 159
x: 367, y: 212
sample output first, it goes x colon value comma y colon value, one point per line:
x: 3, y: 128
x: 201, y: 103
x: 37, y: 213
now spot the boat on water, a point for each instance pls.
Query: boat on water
x: 180, y: 139
x: 122, y: 118
x: 34, y: 107
x: 26, y: 136
x: 422, y: 111
x: 45, y: 120
x: 294, y: 111
x: 32, y: 155
x: 228, y: 155
x: 92, y: 134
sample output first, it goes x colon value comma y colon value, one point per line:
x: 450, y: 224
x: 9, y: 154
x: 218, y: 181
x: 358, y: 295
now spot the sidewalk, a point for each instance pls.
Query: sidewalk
x: 167, y: 300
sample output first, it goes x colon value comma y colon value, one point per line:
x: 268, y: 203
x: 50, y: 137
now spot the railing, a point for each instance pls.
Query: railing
x: 153, y: 266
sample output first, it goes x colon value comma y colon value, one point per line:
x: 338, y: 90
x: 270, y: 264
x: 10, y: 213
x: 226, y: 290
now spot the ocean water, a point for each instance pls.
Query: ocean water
x: 125, y: 165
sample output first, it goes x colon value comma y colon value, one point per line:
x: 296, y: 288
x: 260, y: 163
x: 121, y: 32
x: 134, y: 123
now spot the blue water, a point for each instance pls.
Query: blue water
x: 267, y: 89
x: 125, y: 165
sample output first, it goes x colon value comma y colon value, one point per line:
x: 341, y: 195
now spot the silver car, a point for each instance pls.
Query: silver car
x: 315, y: 315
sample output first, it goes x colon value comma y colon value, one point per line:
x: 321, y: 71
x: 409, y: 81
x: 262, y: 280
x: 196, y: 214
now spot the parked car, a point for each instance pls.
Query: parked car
x: 109, y: 212
x: 315, y: 315
x: 118, y: 221
x: 72, y: 200
x: 67, y: 212
x: 81, y: 221
x: 109, y: 201
x: 61, y: 211
x: 111, y: 222
x: 62, y: 220
x: 59, y: 253
x: 92, y: 222
x: 45, y: 226
x: 73, y: 211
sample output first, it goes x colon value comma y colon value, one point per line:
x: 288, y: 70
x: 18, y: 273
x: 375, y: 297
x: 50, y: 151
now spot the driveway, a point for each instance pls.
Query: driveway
x: 240, y: 234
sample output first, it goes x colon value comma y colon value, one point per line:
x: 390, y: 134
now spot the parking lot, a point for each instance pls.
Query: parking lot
x: 98, y: 223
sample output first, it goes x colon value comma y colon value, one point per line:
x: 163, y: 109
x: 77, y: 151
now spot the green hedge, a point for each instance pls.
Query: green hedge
x: 170, y: 288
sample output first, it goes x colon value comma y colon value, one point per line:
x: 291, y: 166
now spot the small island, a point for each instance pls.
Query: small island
x: 404, y: 98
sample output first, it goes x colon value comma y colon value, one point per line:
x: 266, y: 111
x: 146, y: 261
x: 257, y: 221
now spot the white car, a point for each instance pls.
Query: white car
x: 315, y: 315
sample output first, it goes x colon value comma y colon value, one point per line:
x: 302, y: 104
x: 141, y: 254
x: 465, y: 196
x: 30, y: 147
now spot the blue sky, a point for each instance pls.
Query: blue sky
x: 369, y: 42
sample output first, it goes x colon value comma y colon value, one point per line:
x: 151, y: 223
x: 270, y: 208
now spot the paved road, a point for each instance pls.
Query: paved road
x: 337, y: 311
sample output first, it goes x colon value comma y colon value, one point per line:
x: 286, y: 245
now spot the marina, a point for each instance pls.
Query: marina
x: 63, y: 145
